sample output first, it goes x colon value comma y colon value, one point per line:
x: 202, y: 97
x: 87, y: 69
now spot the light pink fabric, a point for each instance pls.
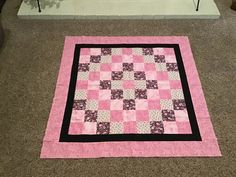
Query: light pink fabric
x: 52, y: 148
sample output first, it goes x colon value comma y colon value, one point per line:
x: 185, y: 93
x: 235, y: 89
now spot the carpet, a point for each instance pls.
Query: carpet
x: 128, y: 97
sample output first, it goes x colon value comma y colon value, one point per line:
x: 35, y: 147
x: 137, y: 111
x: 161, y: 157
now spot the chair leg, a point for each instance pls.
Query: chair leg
x: 39, y: 6
x: 198, y: 3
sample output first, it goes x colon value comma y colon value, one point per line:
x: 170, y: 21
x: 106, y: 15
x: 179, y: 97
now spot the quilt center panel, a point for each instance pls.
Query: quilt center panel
x: 128, y: 91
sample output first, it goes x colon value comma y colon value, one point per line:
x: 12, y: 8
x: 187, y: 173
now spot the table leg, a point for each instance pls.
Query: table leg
x: 39, y: 6
x: 198, y: 3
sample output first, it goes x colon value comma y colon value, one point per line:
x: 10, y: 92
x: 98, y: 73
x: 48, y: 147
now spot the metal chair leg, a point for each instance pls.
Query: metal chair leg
x: 39, y: 6
x: 198, y: 3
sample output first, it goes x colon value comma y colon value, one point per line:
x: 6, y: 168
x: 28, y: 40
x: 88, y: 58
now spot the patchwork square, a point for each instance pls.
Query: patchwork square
x: 128, y: 67
x: 105, y: 84
x: 106, y: 51
x: 116, y: 128
x: 116, y: 116
x: 83, y: 75
x: 166, y: 104
x: 139, y: 75
x: 140, y: 84
x: 95, y: 59
x: 179, y: 104
x: 144, y: 127
x: 83, y: 67
x: 173, y: 75
x: 128, y: 94
x: 116, y: 94
x: 129, y: 116
x: 117, y: 75
x: 128, y: 75
x: 106, y: 59
x: 103, y: 116
x: 80, y: 95
x: 79, y: 104
x: 152, y: 84
x: 171, y: 66
x: 159, y: 58
x: 92, y: 105
x: 116, y: 84
x: 155, y: 115
x: 104, y: 75
x: 140, y: 94
x: 177, y: 94
x: 94, y: 67
x: 168, y: 115
x: 147, y: 51
x: 116, y: 104
x: 91, y: 116
x: 157, y: 127
x: 138, y: 67
x: 103, y: 127
x: 129, y: 104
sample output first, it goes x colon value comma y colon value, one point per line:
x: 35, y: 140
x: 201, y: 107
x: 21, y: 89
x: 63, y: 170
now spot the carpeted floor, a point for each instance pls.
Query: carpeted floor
x: 29, y: 64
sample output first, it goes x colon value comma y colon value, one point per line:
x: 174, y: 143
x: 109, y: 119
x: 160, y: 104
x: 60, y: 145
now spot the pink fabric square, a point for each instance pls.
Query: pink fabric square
x: 85, y: 51
x: 127, y: 59
x: 77, y: 116
x: 105, y: 67
x: 116, y: 116
x: 142, y: 115
x: 116, y: 67
x: 170, y: 59
x: 158, y: 51
x: 153, y: 94
x: 138, y: 66
x: 175, y: 84
x: 184, y: 127
x: 181, y: 115
x: 150, y: 67
x: 104, y: 94
x: 170, y: 127
x: 130, y: 127
x: 141, y: 104
x: 93, y: 76
x: 95, y: 51
x: 84, y: 59
x: 116, y: 104
x: 89, y: 128
x: 93, y: 85
x: 154, y: 104
x: 81, y: 84
x: 151, y: 75
x: 169, y: 51
x: 128, y: 84
x: 129, y: 115
x: 126, y: 51
x: 75, y: 128
x: 105, y: 75
x: 92, y: 94
x: 165, y: 94
x: 163, y: 85
x: 116, y: 59
x: 162, y: 75
x: 104, y: 105
x: 138, y: 59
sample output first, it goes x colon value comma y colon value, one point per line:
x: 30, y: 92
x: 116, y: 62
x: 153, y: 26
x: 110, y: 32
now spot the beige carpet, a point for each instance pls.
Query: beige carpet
x: 29, y: 64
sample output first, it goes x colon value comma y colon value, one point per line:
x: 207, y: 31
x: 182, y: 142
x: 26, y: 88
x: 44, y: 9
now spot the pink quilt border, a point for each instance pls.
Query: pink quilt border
x: 52, y: 148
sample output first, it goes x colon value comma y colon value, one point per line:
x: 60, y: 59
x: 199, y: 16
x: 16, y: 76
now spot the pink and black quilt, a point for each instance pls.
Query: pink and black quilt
x: 128, y: 97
